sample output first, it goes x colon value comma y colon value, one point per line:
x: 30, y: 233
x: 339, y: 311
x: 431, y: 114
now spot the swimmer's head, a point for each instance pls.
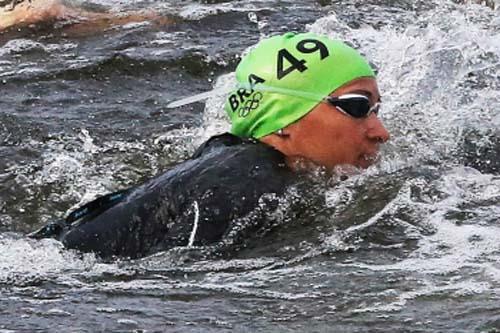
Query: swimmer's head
x: 314, y: 99
x: 284, y: 77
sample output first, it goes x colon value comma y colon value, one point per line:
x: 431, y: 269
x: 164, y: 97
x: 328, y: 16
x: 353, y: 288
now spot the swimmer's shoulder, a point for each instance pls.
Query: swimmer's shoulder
x: 229, y: 143
x: 227, y: 162
x: 240, y: 166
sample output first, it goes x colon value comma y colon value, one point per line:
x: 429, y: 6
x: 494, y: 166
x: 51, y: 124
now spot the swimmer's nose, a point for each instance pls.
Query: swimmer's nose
x: 376, y: 130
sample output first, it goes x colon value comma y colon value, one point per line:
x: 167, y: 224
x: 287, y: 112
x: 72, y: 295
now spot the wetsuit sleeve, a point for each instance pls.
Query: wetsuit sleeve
x: 131, y: 228
x: 84, y: 213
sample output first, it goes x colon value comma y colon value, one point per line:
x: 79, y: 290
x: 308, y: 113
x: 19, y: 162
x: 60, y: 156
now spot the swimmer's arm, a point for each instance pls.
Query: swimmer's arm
x: 82, y: 214
x: 95, y: 22
x: 30, y: 12
x: 77, y: 20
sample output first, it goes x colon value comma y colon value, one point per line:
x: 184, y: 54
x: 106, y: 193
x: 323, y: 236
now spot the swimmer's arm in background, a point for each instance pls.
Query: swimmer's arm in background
x: 23, y: 13
x: 20, y: 13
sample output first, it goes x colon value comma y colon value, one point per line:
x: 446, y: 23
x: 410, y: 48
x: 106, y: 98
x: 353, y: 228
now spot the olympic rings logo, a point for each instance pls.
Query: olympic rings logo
x: 250, y: 104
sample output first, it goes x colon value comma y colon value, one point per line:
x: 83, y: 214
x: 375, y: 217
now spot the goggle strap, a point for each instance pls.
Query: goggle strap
x: 259, y: 87
x: 263, y: 88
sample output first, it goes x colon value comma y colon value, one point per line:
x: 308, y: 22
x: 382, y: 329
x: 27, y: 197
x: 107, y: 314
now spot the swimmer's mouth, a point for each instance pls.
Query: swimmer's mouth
x: 369, y: 159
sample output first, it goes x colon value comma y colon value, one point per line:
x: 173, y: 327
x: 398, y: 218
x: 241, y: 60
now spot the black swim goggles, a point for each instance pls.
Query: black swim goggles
x: 354, y: 105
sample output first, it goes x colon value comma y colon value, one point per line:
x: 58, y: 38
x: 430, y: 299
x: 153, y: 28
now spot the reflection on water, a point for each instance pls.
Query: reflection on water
x: 412, y: 244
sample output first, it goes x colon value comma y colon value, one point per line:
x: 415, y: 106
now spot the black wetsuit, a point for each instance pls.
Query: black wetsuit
x: 195, y: 203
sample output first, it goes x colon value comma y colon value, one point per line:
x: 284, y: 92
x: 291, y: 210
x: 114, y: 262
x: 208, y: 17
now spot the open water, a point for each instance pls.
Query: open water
x: 410, y: 245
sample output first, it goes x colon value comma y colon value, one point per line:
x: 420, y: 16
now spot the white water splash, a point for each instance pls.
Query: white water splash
x: 25, y: 261
x: 197, y: 11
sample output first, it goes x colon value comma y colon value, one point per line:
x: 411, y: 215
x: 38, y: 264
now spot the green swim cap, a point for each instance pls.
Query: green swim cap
x: 284, y: 77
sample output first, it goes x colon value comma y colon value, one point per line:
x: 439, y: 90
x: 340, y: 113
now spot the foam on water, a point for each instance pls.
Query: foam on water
x: 215, y: 121
x: 458, y: 242
x: 20, y: 46
x: 74, y: 169
x: 197, y: 11
x: 27, y: 261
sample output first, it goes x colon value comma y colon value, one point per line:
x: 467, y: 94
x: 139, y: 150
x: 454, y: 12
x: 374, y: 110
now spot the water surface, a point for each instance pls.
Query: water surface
x: 410, y: 245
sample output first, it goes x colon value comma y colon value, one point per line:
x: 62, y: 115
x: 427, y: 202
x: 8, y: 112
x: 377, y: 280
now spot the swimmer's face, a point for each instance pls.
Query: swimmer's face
x: 328, y: 137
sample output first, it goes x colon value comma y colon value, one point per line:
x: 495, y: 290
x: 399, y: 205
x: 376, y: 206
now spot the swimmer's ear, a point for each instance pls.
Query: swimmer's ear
x: 282, y: 133
x: 278, y: 139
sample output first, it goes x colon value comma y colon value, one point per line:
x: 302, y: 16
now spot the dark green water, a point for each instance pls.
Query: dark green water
x: 410, y: 245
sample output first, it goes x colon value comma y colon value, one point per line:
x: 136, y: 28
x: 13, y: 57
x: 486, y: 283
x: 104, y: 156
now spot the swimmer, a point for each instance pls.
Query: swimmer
x: 302, y: 100
x: 30, y: 13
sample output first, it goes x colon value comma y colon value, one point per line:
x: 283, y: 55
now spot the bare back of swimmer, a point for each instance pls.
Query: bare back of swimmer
x: 30, y: 13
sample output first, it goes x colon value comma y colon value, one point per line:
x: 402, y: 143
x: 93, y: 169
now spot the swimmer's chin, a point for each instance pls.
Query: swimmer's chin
x: 299, y: 164
x: 367, y: 160
x: 345, y: 170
